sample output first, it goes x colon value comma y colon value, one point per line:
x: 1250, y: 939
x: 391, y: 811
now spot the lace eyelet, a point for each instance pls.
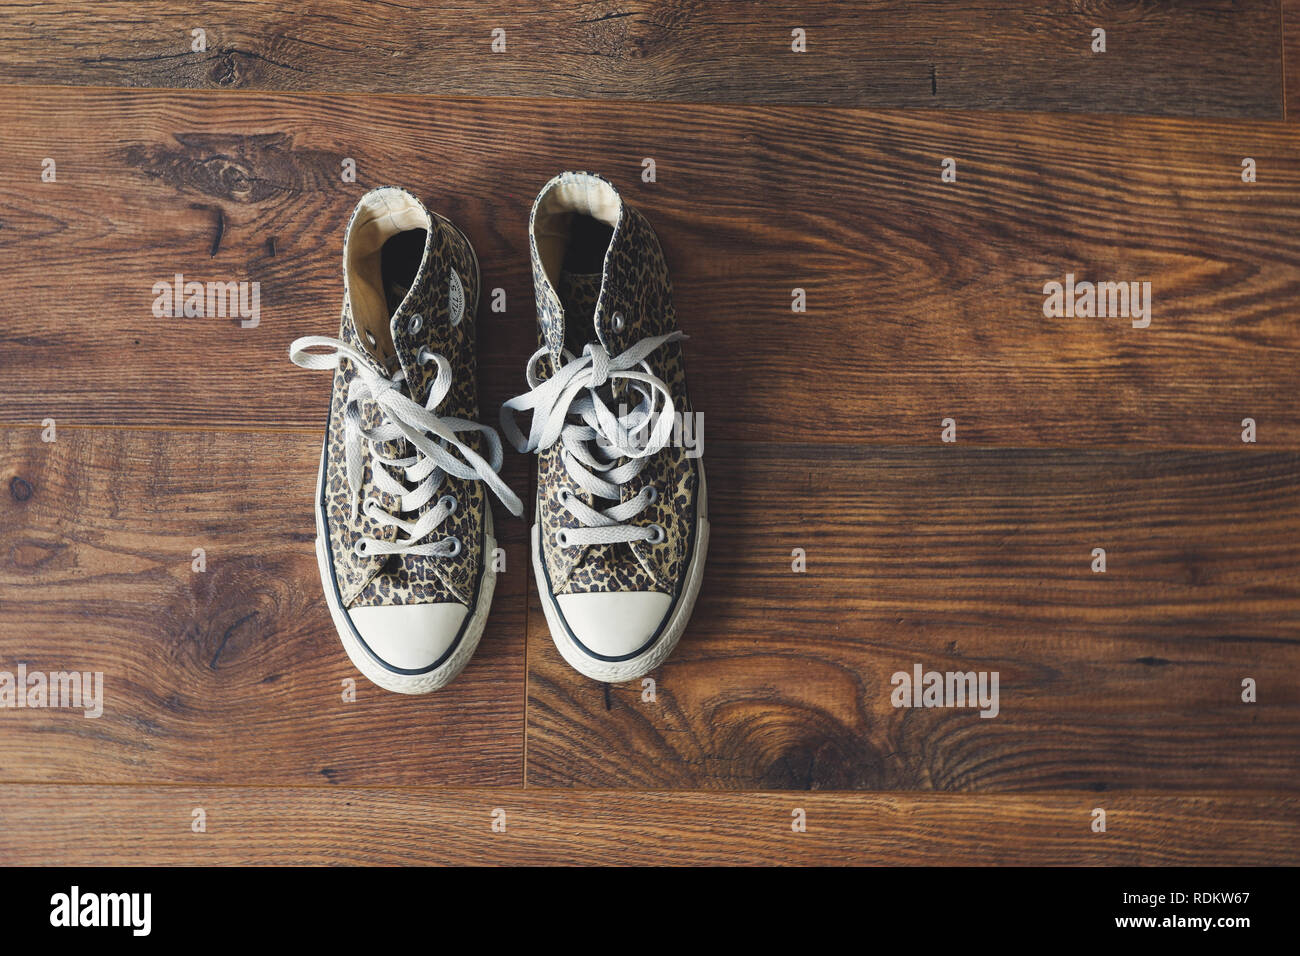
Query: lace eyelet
x: 425, y: 356
x: 564, y: 494
x: 360, y: 547
x: 562, y: 538
x: 455, y: 547
x: 657, y: 534
x: 618, y: 322
x: 449, y: 503
x: 370, y: 339
x: 654, y: 494
x: 416, y: 323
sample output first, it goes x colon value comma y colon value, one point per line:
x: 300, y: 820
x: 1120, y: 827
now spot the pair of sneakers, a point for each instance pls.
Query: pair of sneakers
x: 405, y: 538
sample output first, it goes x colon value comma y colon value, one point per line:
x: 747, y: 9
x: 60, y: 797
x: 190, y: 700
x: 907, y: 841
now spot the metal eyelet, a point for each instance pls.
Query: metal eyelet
x: 657, y: 534
x: 425, y: 356
x: 562, y: 538
x: 360, y: 547
x: 416, y: 323
x: 618, y: 322
x: 449, y: 502
x: 370, y: 339
x: 456, y: 547
x: 654, y: 494
x: 564, y: 494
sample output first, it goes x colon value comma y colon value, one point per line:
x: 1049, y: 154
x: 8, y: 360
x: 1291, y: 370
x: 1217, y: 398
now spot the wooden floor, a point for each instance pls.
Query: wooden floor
x: 1119, y: 691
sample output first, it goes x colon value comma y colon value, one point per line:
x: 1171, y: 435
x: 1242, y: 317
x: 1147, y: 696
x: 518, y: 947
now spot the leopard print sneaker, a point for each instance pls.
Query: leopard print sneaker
x: 622, y: 523
x: 403, y: 529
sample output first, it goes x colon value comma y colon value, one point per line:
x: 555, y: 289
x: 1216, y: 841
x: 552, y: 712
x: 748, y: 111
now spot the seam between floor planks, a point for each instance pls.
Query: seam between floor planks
x: 995, y: 116
x: 833, y: 445
x: 1008, y: 796
x: 529, y: 584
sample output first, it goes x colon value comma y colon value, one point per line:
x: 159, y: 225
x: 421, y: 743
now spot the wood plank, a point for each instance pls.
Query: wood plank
x: 64, y: 825
x: 1290, y: 16
x: 941, y: 557
x: 1207, y: 58
x: 234, y: 674
x: 925, y: 300
x: 962, y: 560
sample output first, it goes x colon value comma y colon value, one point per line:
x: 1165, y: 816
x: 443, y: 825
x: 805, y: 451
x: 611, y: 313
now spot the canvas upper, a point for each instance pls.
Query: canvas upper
x: 600, y: 280
x: 411, y: 286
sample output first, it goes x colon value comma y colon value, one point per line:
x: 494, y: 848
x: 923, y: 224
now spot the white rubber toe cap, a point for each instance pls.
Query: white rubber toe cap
x: 409, y: 636
x: 616, y: 623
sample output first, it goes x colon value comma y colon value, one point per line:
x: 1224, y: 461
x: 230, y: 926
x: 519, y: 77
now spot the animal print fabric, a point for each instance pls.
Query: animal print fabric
x: 366, y: 581
x: 635, y: 284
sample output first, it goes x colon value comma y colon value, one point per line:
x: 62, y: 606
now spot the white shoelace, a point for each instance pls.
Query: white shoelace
x: 568, y: 407
x: 429, y: 436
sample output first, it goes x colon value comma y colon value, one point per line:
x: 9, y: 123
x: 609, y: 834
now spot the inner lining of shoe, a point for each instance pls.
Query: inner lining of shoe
x: 573, y: 226
x: 386, y: 244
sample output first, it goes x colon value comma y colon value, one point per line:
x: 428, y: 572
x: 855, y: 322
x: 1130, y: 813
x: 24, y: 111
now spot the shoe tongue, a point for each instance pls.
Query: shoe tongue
x: 579, y: 292
x: 403, y: 301
x: 395, y: 293
x: 420, y: 315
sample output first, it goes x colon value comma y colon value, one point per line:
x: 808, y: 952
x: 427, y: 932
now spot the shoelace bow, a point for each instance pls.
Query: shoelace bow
x: 430, y: 437
x: 568, y: 407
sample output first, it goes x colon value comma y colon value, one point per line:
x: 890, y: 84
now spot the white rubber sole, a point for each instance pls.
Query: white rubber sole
x: 614, y: 672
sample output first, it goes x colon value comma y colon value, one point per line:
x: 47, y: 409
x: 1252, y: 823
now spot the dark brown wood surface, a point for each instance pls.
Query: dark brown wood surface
x: 234, y: 674
x: 317, y: 825
x: 774, y: 171
x: 1290, y: 13
x: 951, y: 558
x: 925, y: 299
x: 1200, y: 58
x: 962, y: 560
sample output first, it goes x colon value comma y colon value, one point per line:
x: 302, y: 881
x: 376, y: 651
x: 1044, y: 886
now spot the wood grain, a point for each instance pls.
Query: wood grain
x: 89, y: 826
x: 956, y: 559
x: 925, y: 300
x: 1119, y: 690
x: 234, y: 674
x: 962, y: 560
x: 1290, y: 16
x: 1202, y: 58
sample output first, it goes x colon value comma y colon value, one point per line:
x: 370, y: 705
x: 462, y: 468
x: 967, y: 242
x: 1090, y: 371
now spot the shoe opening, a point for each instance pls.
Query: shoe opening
x: 386, y: 245
x: 573, y: 222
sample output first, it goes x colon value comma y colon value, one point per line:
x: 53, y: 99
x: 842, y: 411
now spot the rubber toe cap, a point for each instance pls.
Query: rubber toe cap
x: 409, y: 637
x: 615, y: 623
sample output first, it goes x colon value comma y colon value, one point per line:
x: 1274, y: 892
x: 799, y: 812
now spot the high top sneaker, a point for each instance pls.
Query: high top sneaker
x: 622, y: 519
x: 404, y: 532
